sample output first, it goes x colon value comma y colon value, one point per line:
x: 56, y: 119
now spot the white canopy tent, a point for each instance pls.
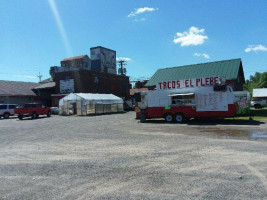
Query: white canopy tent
x: 88, y: 103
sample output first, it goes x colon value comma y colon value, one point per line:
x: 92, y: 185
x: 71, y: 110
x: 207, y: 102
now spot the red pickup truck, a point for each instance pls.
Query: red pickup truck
x: 33, y: 110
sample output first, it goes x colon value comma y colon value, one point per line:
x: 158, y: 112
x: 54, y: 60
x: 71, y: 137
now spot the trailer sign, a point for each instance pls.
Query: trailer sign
x: 187, y: 83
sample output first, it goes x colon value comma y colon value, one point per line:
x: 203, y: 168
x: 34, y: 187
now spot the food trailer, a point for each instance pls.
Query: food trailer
x: 179, y: 100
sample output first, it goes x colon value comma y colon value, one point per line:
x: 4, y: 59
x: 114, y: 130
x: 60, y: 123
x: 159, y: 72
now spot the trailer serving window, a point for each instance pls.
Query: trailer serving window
x: 219, y: 88
x: 183, y: 99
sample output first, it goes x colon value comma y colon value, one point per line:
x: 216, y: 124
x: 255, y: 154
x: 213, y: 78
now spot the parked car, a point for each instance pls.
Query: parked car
x: 54, y: 110
x: 33, y: 110
x: 259, y: 103
x: 7, y: 110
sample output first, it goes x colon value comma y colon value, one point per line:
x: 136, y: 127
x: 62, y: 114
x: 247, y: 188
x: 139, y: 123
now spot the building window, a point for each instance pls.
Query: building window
x: 56, y: 100
x: 96, y: 79
x: 183, y: 99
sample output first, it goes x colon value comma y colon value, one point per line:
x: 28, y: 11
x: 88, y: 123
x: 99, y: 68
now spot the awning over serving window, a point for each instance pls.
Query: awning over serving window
x: 181, y: 94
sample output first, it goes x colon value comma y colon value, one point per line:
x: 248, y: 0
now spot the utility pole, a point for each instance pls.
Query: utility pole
x: 40, y: 77
x: 122, y: 70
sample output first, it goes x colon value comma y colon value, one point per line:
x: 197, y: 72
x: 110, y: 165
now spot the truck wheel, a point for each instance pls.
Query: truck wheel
x: 6, y: 115
x: 49, y: 113
x: 34, y: 115
x: 179, y: 118
x: 20, y: 117
x: 168, y: 118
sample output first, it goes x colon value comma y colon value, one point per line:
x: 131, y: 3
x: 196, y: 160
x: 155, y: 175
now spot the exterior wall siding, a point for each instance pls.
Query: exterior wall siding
x: 94, y: 82
x: 105, y: 57
x: 77, y: 63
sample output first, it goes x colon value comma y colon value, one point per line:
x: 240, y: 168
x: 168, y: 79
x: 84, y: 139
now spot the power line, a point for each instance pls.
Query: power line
x: 122, y: 70
x: 40, y: 77
x: 255, y: 71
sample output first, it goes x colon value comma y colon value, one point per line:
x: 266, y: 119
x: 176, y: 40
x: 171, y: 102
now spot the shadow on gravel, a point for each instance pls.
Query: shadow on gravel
x: 210, y: 122
x: 29, y: 118
x: 10, y: 117
x: 94, y: 115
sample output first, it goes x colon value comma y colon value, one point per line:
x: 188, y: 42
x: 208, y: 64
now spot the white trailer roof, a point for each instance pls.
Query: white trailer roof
x: 260, y: 92
x: 96, y: 98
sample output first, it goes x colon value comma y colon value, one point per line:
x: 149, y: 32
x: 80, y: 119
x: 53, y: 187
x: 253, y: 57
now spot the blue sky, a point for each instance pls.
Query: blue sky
x: 152, y: 34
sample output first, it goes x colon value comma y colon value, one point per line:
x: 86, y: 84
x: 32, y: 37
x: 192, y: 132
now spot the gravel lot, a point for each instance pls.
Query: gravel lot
x: 116, y: 157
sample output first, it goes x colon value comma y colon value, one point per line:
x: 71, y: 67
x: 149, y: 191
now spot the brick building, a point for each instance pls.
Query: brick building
x: 81, y: 74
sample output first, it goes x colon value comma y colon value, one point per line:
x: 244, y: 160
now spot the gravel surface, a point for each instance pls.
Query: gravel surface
x: 117, y: 157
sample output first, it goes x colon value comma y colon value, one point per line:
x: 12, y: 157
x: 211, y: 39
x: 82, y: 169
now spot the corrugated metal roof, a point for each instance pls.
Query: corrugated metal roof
x: 227, y: 68
x: 17, y: 88
x: 47, y: 80
x: 74, y: 58
x: 46, y: 85
x: 260, y: 92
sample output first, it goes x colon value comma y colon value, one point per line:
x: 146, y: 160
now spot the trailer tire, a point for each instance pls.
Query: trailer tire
x: 168, y: 118
x: 49, y: 114
x: 20, y: 116
x: 179, y: 117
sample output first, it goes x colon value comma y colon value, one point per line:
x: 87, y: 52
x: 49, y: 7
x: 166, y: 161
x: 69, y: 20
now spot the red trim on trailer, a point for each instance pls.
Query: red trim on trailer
x: 188, y: 111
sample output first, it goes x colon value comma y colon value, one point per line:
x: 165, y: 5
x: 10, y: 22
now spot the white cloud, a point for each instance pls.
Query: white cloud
x: 24, y: 76
x: 141, y: 10
x: 255, y: 48
x: 193, y: 36
x: 204, y: 55
x: 140, y: 20
x: 123, y: 58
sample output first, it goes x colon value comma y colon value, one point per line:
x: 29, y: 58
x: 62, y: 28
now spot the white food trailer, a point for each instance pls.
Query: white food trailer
x: 184, y: 99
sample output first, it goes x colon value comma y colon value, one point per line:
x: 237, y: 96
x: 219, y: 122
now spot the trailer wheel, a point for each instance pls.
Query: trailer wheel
x: 168, y: 118
x: 179, y: 117
x: 49, y: 114
x: 20, y: 116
